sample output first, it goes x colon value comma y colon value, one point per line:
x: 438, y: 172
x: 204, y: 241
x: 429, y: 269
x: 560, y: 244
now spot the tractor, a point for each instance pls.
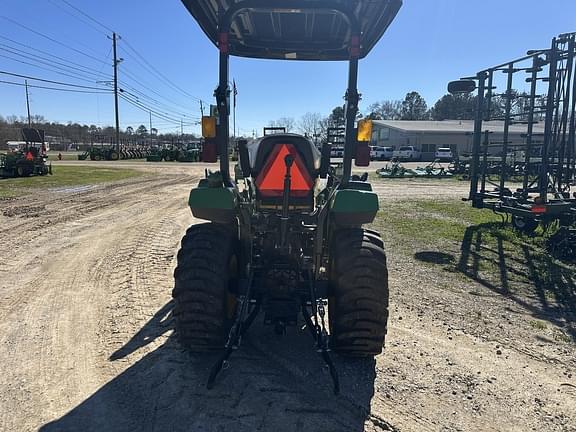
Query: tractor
x: 30, y: 160
x: 284, y: 237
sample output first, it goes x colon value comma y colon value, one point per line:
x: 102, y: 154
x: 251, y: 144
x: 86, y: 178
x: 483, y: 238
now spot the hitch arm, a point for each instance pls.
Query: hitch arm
x: 288, y: 161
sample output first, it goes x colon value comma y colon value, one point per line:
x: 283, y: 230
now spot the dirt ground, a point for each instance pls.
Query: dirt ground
x: 86, y: 345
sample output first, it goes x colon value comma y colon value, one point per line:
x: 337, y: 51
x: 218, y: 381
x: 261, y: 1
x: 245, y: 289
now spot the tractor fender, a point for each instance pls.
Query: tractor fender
x: 216, y: 204
x: 354, y: 207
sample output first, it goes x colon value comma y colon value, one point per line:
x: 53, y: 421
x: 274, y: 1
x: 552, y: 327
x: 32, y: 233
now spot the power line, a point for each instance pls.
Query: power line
x: 47, y: 61
x: 88, y: 23
x: 88, y: 16
x: 145, y: 108
x: 51, y: 39
x: 50, y: 54
x: 160, y: 74
x: 150, y: 88
x: 171, y: 117
x: 46, y: 69
x: 50, y: 81
x: 152, y: 100
x: 55, y: 88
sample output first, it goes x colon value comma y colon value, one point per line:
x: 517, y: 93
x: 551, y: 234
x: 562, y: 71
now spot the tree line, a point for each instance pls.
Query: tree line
x: 75, y: 133
x: 413, y: 107
x: 314, y: 125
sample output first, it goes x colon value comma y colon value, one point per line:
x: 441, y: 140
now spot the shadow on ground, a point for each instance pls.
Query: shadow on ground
x: 512, y: 266
x: 270, y: 384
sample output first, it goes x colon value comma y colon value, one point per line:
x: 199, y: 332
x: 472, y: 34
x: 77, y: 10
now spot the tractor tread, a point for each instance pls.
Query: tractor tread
x: 201, y: 287
x: 358, y: 299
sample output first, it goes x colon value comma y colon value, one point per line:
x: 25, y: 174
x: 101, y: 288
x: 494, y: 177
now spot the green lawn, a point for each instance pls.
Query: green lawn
x: 64, y: 176
x: 456, y: 239
x: 431, y: 221
x: 73, y: 155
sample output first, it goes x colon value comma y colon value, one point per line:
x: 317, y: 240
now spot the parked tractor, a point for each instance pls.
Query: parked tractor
x: 285, y: 236
x: 29, y: 160
x: 100, y: 153
x: 179, y: 153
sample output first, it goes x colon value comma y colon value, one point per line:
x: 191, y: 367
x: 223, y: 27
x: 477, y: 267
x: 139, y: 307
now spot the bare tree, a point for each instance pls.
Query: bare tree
x: 286, y: 122
x: 310, y: 125
x: 385, y: 110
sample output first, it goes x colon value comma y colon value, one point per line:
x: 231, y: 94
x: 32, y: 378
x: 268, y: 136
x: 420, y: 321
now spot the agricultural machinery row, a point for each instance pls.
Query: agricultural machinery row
x: 187, y: 153
x: 178, y: 153
x: 112, y: 153
x: 396, y: 170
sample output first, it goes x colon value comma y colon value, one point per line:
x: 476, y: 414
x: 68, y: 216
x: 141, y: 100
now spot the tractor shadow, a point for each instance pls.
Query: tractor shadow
x: 271, y: 383
x: 514, y: 267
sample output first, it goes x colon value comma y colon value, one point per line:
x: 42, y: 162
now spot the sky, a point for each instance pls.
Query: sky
x: 169, y: 64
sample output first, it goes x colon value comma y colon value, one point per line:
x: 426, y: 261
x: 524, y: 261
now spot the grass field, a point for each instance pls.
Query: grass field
x: 462, y: 242
x: 73, y: 155
x: 64, y: 176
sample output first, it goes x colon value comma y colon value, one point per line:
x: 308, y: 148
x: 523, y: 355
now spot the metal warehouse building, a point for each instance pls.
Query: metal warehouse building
x: 428, y: 136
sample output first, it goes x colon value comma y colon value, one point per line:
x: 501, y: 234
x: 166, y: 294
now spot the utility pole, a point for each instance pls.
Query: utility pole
x: 235, y: 93
x: 28, y: 104
x: 201, y: 108
x: 181, y: 131
x: 150, y: 131
x: 116, y: 62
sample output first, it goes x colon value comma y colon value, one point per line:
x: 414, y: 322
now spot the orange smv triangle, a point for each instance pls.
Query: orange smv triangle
x: 270, y: 181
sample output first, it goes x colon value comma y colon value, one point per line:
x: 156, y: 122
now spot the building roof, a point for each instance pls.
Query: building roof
x: 452, y: 126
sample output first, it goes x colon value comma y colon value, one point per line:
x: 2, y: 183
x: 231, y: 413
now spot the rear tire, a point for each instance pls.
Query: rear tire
x: 22, y: 171
x: 204, y: 278
x: 358, y: 299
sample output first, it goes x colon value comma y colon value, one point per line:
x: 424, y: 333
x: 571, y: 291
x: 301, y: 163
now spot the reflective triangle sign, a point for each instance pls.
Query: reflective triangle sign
x: 270, y: 181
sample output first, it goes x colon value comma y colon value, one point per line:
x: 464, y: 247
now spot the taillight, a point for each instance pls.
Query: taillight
x: 539, y: 209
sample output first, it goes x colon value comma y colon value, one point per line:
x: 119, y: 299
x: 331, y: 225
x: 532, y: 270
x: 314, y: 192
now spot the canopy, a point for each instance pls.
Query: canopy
x: 296, y: 29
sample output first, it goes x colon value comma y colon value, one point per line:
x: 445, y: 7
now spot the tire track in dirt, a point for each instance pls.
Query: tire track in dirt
x: 49, y: 319
x: 137, y: 270
x: 75, y: 223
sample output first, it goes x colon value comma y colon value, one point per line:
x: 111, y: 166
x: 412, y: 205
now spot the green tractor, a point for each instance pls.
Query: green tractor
x: 23, y: 164
x: 100, y: 153
x: 31, y: 160
x: 285, y: 237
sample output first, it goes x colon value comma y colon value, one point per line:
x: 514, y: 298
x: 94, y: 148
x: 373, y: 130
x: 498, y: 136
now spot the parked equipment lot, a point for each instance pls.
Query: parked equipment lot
x: 481, y: 337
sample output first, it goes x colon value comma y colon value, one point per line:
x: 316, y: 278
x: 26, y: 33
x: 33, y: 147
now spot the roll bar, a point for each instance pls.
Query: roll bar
x: 222, y: 92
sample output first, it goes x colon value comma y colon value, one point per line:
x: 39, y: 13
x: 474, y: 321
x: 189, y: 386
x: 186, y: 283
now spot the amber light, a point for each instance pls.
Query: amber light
x: 208, y: 127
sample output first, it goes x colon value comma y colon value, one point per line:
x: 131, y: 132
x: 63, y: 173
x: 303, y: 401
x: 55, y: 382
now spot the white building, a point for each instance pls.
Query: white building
x: 429, y: 135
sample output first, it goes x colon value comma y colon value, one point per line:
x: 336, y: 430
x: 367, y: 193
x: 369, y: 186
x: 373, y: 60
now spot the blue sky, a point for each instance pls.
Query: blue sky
x: 430, y: 43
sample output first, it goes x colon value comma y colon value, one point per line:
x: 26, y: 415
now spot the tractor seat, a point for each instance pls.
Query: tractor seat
x: 261, y: 148
x: 268, y: 169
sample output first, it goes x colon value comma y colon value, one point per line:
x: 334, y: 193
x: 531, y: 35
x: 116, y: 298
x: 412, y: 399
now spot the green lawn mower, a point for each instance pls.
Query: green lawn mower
x: 285, y: 236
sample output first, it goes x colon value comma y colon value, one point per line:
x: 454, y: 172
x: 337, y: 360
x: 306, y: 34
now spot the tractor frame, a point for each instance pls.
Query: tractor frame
x: 285, y: 250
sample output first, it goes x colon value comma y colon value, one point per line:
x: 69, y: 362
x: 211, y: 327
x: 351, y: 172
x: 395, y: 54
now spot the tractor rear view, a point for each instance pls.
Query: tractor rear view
x: 285, y: 235
x: 29, y: 160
